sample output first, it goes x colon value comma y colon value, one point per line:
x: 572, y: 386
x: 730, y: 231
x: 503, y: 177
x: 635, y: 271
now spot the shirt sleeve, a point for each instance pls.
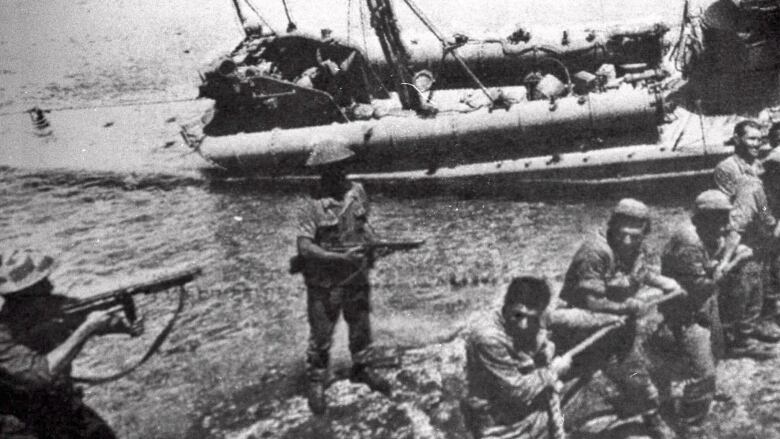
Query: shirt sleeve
x: 22, y: 366
x: 687, y: 264
x: 590, y: 271
x: 725, y: 180
x: 306, y: 220
x: 508, y: 376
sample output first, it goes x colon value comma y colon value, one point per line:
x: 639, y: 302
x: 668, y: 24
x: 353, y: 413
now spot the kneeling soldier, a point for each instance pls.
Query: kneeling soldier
x: 35, y: 382
x: 510, y: 369
x: 689, y: 258
x: 604, y: 277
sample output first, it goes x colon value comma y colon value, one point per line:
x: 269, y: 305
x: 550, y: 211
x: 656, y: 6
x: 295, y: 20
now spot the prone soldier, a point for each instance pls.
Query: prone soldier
x: 35, y: 383
x: 336, y: 281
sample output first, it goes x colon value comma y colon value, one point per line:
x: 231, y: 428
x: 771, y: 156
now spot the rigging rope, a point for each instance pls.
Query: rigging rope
x: 291, y: 27
x: 91, y: 107
x: 265, y: 22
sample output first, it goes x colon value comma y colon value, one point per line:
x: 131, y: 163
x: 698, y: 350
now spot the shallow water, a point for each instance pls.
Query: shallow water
x: 115, y: 196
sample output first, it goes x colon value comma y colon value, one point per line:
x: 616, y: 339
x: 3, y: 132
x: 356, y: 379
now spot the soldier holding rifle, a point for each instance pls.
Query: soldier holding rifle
x: 35, y: 383
x: 335, y: 219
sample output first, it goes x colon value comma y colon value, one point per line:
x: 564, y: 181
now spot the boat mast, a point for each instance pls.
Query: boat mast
x: 385, y: 24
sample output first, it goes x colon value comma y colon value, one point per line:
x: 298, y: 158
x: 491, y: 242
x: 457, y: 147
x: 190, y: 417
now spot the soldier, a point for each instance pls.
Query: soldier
x: 35, y: 383
x: 689, y: 258
x: 744, y: 295
x: 744, y: 161
x: 510, y: 368
x: 774, y: 135
x: 605, y: 276
x: 336, y: 281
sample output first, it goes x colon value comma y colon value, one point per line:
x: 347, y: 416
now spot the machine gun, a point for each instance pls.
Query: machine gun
x: 297, y: 262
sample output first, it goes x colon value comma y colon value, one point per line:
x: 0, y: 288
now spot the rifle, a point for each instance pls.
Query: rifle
x: 385, y: 246
x: 297, y: 262
x: 76, y: 311
x: 64, y: 314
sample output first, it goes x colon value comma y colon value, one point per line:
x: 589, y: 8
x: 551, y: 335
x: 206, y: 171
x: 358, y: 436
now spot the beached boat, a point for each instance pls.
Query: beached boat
x: 573, y: 106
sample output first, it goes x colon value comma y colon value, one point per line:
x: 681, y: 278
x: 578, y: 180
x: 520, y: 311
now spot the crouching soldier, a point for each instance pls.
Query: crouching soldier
x: 35, y: 364
x: 336, y: 281
x: 510, y: 369
x: 690, y: 257
x: 604, y: 277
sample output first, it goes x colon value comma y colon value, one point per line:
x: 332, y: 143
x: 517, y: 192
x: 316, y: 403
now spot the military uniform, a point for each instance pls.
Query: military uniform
x: 48, y: 405
x: 336, y: 287
x: 592, y: 270
x: 509, y: 386
x: 729, y: 171
x: 742, y: 295
x: 692, y: 318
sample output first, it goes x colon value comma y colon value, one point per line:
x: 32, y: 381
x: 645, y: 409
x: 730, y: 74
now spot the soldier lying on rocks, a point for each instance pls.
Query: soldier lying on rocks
x: 604, y: 279
x: 35, y: 383
x: 511, y: 370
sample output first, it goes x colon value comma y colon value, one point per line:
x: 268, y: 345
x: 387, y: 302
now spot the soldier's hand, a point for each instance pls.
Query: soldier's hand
x: 548, y: 351
x: 112, y: 321
x: 97, y: 322
x: 560, y: 365
x: 637, y: 307
x: 356, y: 255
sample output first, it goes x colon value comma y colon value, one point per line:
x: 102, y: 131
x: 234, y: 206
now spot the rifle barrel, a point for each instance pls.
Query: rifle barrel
x: 155, y: 285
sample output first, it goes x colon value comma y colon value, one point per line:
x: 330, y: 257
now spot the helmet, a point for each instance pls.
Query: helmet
x: 328, y: 153
x: 20, y: 269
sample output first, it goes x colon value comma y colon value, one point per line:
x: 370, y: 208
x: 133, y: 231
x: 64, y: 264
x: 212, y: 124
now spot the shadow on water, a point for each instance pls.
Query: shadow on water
x: 669, y: 192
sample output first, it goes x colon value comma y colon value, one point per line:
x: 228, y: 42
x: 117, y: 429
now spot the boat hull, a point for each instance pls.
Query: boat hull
x: 391, y: 144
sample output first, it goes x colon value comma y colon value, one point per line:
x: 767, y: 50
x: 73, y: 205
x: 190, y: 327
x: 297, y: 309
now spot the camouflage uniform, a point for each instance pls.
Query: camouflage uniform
x: 729, y: 171
x: 508, y: 385
x: 742, y: 294
x: 336, y: 287
x: 692, y: 318
x: 618, y: 354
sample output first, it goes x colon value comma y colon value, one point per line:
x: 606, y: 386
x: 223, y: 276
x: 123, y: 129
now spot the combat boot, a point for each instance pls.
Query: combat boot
x: 657, y: 428
x: 316, y: 397
x: 369, y: 377
x: 316, y: 391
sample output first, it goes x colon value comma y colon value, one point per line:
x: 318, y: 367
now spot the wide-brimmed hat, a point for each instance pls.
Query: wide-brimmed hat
x: 329, y: 153
x: 20, y: 269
